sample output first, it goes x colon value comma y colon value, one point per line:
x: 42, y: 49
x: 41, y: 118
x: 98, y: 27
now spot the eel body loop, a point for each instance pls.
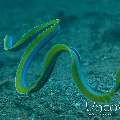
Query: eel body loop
x: 36, y: 39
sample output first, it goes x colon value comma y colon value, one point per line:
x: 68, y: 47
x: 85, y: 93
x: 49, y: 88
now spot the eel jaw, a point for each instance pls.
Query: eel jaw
x: 8, y: 42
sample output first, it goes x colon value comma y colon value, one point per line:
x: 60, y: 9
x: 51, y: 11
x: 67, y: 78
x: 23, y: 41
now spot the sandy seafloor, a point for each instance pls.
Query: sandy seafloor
x: 93, y: 28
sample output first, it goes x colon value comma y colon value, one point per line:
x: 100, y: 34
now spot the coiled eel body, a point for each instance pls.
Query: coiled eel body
x: 36, y: 39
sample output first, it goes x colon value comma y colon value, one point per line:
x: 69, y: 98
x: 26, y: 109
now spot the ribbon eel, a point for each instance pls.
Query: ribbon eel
x: 36, y: 39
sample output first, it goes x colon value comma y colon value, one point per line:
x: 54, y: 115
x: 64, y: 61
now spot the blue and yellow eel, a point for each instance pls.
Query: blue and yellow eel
x: 36, y: 39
